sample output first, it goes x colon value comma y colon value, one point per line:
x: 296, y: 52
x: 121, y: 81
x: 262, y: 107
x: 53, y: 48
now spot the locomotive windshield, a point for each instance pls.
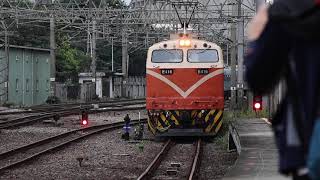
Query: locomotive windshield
x: 203, y: 55
x: 167, y: 56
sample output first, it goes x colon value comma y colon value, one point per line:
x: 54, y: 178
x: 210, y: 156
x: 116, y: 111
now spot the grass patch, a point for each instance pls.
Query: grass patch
x: 231, y: 117
x: 250, y: 114
x: 221, y: 138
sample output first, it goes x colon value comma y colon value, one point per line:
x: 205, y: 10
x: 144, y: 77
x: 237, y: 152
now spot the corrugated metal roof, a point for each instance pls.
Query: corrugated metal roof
x: 25, y: 47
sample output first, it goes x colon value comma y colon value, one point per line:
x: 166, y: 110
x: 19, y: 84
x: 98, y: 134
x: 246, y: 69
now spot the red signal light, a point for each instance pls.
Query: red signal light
x: 84, y: 122
x: 257, y: 103
x: 84, y: 118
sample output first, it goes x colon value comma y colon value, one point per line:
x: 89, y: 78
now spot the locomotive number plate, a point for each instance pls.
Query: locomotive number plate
x: 203, y: 71
x: 166, y: 71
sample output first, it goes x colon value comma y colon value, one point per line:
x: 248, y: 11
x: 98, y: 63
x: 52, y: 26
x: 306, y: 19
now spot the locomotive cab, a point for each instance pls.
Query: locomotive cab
x: 184, y: 87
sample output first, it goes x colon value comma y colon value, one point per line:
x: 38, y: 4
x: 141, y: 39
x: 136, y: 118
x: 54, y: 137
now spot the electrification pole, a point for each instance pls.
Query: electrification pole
x: 52, y: 57
x: 93, y: 46
x: 124, y: 61
x: 240, y: 39
x: 233, y: 101
x: 6, y: 71
x: 4, y: 64
x: 93, y: 62
x: 112, y: 69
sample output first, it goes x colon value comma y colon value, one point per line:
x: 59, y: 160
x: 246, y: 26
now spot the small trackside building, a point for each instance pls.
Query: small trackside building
x: 29, y: 75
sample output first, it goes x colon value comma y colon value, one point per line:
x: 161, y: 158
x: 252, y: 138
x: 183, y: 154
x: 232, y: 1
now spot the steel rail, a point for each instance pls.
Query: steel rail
x: 10, y: 159
x: 57, y: 107
x: 86, y: 103
x: 196, y: 161
x: 156, y: 161
x: 62, y: 113
x: 5, y: 120
x: 33, y: 119
x: 161, y: 155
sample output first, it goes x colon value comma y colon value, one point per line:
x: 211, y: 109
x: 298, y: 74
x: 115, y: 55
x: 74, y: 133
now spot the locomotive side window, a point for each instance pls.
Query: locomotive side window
x: 203, y: 55
x: 167, y: 56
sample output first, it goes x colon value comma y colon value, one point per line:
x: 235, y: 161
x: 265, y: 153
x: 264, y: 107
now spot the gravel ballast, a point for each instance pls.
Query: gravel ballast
x: 106, y: 155
x: 14, y: 138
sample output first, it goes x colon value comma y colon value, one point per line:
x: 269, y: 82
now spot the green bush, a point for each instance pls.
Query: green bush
x: 8, y: 104
x: 251, y: 114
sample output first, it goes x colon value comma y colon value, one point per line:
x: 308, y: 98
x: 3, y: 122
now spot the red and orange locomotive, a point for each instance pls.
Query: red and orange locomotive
x: 185, y: 92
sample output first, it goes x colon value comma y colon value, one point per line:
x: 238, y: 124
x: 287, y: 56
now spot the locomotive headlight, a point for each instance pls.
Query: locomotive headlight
x: 182, y: 42
x: 185, y: 43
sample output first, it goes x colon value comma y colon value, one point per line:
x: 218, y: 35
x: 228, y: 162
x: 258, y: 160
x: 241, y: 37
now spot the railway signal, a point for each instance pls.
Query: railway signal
x: 84, y: 118
x: 257, y: 103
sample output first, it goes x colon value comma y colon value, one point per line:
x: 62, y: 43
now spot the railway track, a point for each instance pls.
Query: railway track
x: 46, y: 106
x: 27, y: 120
x: 18, y: 156
x: 162, y: 155
x: 63, y: 106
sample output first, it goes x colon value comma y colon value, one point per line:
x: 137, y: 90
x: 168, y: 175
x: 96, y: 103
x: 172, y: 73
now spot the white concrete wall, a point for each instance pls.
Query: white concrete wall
x: 98, y: 84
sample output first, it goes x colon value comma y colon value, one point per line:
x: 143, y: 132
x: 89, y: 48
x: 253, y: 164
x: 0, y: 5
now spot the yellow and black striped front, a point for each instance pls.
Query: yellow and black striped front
x: 209, y: 121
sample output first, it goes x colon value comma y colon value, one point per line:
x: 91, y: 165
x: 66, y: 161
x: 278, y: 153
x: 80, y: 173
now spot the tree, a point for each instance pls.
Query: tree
x: 137, y: 66
x: 35, y: 35
x: 70, y: 61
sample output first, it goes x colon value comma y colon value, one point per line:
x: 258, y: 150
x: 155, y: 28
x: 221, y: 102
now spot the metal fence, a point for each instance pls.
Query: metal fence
x: 132, y: 87
x: 68, y: 92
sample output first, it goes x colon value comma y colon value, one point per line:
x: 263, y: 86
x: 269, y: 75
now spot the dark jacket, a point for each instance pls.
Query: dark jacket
x: 279, y: 54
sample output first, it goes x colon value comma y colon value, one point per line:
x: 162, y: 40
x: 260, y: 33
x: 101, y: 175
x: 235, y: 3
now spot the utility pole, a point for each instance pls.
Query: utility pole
x: 240, y: 39
x: 93, y: 57
x: 228, y: 63
x: 124, y: 61
x: 112, y: 69
x: 52, y: 57
x: 147, y: 39
x: 93, y: 46
x: 233, y: 60
x: 124, y: 54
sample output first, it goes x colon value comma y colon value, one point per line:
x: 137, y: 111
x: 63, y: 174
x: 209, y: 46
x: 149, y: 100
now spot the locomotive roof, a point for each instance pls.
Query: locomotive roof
x: 154, y: 46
